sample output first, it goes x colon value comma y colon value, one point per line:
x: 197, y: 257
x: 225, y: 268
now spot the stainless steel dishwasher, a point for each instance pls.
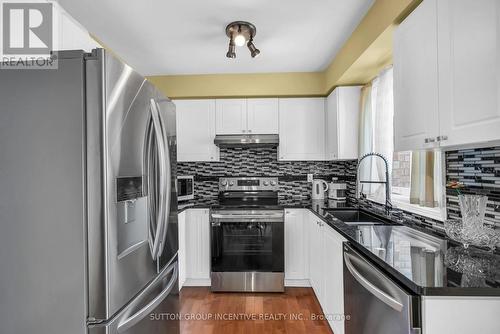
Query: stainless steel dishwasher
x: 373, y: 302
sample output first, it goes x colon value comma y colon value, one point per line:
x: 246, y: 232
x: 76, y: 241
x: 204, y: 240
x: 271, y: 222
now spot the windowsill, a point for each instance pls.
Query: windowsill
x: 403, y: 203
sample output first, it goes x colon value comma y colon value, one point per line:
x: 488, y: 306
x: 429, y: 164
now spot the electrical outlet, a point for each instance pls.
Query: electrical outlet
x: 309, y: 177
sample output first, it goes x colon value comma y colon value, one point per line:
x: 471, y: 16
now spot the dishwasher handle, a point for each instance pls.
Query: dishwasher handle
x: 381, y: 295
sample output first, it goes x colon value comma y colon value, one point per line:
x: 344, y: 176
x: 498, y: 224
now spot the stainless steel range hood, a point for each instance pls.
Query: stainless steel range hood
x: 246, y: 140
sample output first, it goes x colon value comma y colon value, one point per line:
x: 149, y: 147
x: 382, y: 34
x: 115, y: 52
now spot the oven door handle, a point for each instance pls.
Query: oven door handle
x: 381, y: 295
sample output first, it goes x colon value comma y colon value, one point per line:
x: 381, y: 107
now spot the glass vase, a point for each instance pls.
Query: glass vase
x: 473, y: 208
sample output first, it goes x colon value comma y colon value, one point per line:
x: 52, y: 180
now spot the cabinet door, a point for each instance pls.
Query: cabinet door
x: 197, y: 244
x: 342, y: 123
x: 262, y: 116
x: 182, y: 248
x: 332, y: 126
x: 296, y: 252
x: 196, y: 130
x: 469, y: 70
x: 416, y: 118
x: 231, y: 116
x: 302, y: 129
x: 348, y: 122
x: 315, y: 256
x: 334, y: 278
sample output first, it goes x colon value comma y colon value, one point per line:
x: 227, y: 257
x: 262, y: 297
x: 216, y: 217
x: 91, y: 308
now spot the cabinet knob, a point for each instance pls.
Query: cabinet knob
x: 249, y: 130
x: 429, y: 140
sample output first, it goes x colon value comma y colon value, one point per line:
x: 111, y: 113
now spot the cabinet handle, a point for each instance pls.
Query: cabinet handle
x: 429, y: 140
x: 442, y: 138
x: 243, y: 131
x: 249, y: 131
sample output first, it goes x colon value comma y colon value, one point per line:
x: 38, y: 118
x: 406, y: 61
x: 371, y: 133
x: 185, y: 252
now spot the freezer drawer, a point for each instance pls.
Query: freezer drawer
x: 373, y: 302
x: 154, y: 310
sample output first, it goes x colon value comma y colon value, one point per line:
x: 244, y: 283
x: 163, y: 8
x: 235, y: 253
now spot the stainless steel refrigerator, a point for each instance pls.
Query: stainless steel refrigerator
x: 88, y: 206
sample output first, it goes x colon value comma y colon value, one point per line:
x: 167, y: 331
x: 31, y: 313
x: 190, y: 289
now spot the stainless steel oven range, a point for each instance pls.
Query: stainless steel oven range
x: 247, y: 236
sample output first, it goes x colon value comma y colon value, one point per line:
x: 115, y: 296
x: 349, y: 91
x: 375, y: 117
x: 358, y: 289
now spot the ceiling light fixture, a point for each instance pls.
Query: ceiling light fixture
x: 241, y: 33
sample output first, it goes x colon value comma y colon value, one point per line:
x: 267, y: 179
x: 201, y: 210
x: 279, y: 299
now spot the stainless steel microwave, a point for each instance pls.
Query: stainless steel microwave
x: 185, y: 187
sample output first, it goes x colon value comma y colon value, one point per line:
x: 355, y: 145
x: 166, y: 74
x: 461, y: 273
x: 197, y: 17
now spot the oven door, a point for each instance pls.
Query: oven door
x: 247, y: 242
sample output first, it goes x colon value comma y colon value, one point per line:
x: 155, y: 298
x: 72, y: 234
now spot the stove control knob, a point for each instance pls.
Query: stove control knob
x: 231, y: 183
x: 266, y: 183
x: 273, y: 183
x: 223, y: 182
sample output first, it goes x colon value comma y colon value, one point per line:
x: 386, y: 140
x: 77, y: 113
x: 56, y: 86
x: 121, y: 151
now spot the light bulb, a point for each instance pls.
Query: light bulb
x: 239, y: 40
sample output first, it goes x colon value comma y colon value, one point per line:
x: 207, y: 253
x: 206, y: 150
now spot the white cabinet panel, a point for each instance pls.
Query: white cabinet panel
x: 196, y: 130
x: 302, y: 129
x: 416, y: 114
x: 231, y: 116
x: 182, y: 247
x: 326, y: 269
x: 334, y: 279
x: 469, y: 70
x: 197, y: 250
x: 342, y: 123
x: 71, y: 34
x: 460, y: 315
x: 316, y: 268
x: 262, y: 116
x: 296, y: 245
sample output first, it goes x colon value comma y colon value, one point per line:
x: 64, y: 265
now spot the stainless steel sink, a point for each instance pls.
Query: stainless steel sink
x: 356, y: 217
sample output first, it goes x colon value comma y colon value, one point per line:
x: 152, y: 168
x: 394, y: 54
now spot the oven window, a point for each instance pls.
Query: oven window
x: 248, y: 246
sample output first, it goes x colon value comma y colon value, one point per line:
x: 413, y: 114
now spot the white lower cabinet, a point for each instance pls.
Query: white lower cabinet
x: 326, y: 269
x: 181, y: 254
x: 333, y: 276
x: 194, y: 247
x: 296, y: 248
x: 460, y: 315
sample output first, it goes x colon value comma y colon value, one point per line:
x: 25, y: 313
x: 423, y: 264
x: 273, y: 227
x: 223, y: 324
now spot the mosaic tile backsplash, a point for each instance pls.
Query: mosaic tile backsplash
x: 479, y: 170
x: 292, y: 175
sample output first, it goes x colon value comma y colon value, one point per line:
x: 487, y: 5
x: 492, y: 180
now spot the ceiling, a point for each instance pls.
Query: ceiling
x: 165, y: 37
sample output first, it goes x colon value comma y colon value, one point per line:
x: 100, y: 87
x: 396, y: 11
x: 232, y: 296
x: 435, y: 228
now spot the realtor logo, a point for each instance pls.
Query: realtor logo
x: 27, y: 28
x: 27, y: 36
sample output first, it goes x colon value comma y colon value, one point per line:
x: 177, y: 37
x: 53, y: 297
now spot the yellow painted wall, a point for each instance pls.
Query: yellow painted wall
x: 241, y: 85
x: 366, y: 52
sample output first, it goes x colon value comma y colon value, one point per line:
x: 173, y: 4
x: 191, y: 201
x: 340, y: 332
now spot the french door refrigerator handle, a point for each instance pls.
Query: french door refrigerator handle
x: 382, y: 296
x: 147, y: 309
x: 158, y: 131
x: 151, y: 189
x: 166, y: 185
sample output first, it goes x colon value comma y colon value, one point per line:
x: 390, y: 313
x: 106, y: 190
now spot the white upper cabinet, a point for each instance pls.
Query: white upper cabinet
x: 469, y: 71
x: 231, y: 116
x: 342, y: 123
x: 71, y: 35
x: 302, y: 129
x: 196, y: 130
x: 262, y: 116
x: 416, y: 115
x: 447, y: 75
x: 247, y: 116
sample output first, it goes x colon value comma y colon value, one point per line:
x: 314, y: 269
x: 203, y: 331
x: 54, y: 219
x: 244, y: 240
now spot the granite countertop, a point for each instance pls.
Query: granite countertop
x: 432, y: 265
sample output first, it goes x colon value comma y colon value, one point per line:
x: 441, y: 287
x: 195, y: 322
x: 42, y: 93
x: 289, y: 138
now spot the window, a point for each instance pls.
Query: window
x: 416, y: 177
x: 417, y: 183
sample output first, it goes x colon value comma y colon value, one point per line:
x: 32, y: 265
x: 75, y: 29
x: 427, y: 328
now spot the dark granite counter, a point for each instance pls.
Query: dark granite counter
x: 421, y: 259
